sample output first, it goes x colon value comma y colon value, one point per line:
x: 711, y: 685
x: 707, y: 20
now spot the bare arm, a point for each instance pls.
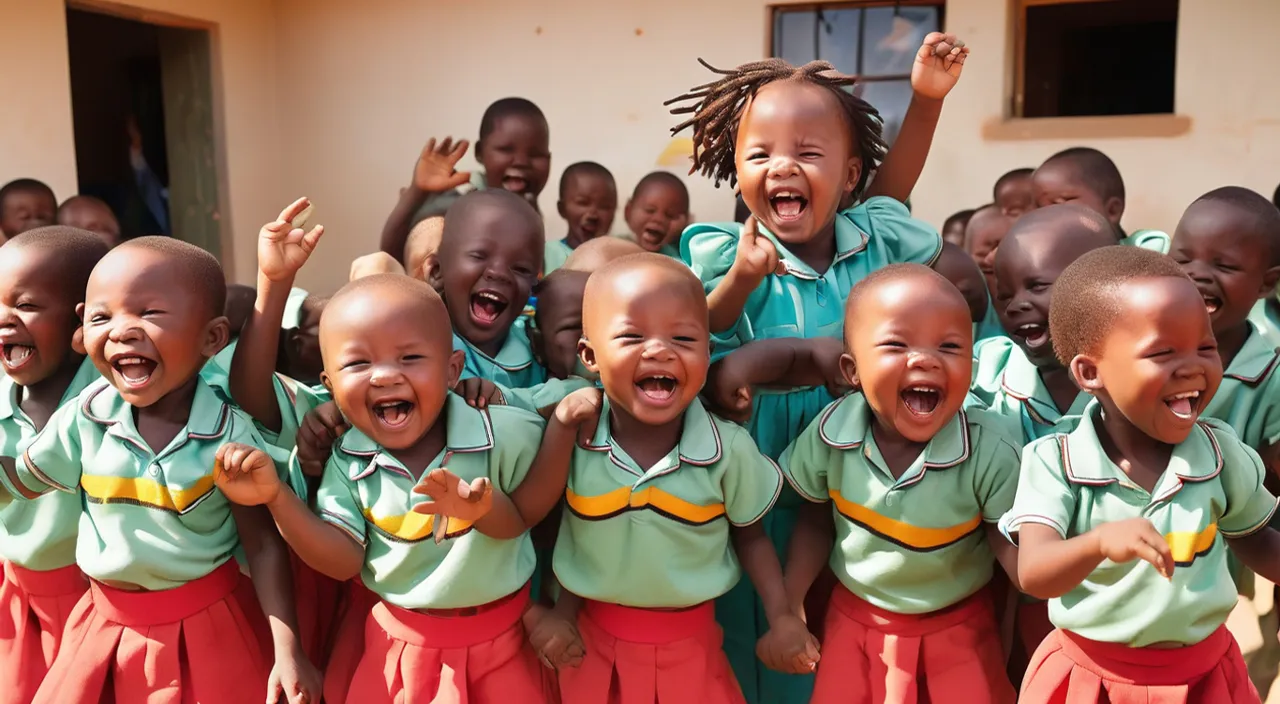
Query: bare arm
x: 902, y: 166
x: 760, y: 562
x: 808, y: 552
x: 395, y: 232
x: 325, y: 547
x: 1005, y: 551
x: 754, y: 259
x: 272, y: 577
x: 433, y: 173
x: 1049, y: 566
x: 1259, y: 552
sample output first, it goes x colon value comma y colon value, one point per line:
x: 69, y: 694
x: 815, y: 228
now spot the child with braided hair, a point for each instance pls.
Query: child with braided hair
x: 798, y: 146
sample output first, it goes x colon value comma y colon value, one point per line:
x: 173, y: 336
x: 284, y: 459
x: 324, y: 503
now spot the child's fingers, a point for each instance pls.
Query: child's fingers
x: 1148, y: 551
x: 459, y: 178
x: 429, y: 149
x: 311, y: 239
x: 476, y: 490
x: 459, y: 150
x: 291, y: 212
x: 441, y: 528
x: 426, y: 507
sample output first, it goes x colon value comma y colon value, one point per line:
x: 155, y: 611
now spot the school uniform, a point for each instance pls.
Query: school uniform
x: 800, y: 303
x: 912, y: 619
x: 153, y: 521
x: 1248, y: 399
x: 548, y: 394
x: 554, y: 255
x: 990, y: 325
x: 1006, y: 382
x: 447, y: 627
x: 1154, y: 240
x: 1266, y: 317
x: 649, y: 549
x: 41, y: 582
x: 513, y: 367
x: 1110, y: 627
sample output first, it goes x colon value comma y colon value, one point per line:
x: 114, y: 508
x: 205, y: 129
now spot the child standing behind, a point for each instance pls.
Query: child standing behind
x: 26, y: 204
x: 658, y: 212
x: 916, y: 487
x: 42, y: 278
x: 588, y: 202
x: 1087, y: 176
x: 1124, y: 523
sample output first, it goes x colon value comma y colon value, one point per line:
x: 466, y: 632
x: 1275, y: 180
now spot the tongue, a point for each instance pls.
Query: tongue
x: 920, y: 402
x: 484, y: 309
x: 18, y: 354
x: 394, y: 414
x: 657, y: 388
x: 787, y: 207
x: 135, y: 372
x: 1181, y: 406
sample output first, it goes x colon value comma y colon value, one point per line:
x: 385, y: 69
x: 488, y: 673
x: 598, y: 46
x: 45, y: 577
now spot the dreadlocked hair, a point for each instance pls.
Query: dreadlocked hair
x: 717, y: 108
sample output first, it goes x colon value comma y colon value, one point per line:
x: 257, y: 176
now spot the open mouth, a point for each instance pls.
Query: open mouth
x: 589, y: 228
x: 653, y: 237
x: 487, y: 307
x: 1211, y: 303
x: 1033, y: 335
x: 393, y: 413
x: 921, y: 400
x: 658, y: 388
x: 1184, y: 405
x: 788, y: 205
x: 515, y: 183
x: 17, y: 356
x: 134, y: 371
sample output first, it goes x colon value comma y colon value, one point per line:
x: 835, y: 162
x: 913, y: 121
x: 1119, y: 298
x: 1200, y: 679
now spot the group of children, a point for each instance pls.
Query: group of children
x: 495, y: 467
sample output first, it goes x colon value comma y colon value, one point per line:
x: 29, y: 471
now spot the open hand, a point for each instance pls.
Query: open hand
x: 1135, y: 539
x: 480, y: 393
x: 938, y: 65
x: 789, y: 647
x: 757, y: 256
x: 320, y: 428
x: 436, y: 170
x: 245, y: 475
x: 283, y: 248
x: 452, y: 497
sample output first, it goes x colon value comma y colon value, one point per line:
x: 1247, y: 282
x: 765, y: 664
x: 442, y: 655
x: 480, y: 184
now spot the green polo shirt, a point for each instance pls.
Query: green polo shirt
x: 545, y: 395
x: 659, y: 537
x: 367, y: 493
x: 554, y: 255
x: 1249, y: 398
x: 514, y: 366
x: 1154, y: 240
x: 1266, y: 316
x: 151, y: 519
x: 1211, y: 489
x: 38, y: 534
x: 915, y: 544
x: 1008, y: 384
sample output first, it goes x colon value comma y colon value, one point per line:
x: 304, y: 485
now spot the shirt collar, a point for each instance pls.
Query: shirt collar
x: 86, y: 374
x: 1021, y: 380
x: 699, y: 437
x: 846, y: 423
x: 849, y: 241
x: 1255, y: 359
x: 516, y: 353
x: 466, y: 429
x: 208, y: 420
x: 1196, y: 459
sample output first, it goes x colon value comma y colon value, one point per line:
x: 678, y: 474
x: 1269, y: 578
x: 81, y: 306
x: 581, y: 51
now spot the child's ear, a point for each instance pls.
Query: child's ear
x: 854, y: 173
x: 1269, y: 281
x: 1114, y: 209
x: 456, y: 360
x: 328, y: 383
x: 626, y: 210
x: 431, y: 272
x: 588, y: 356
x: 77, y: 341
x: 1084, y: 369
x: 849, y: 370
x: 560, y: 209
x: 216, y: 336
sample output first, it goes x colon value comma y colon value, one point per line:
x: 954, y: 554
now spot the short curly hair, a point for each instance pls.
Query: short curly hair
x: 1086, y: 298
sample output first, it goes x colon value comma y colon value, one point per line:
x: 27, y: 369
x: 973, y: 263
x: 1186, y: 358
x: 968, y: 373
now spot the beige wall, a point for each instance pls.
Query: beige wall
x: 332, y: 99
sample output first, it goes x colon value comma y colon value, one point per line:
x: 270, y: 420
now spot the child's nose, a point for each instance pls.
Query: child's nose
x: 384, y: 375
x: 783, y: 167
x: 919, y: 359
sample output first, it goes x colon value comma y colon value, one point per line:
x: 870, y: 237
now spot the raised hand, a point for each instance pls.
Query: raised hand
x: 320, y: 428
x: 284, y: 248
x: 581, y: 410
x: 436, y: 170
x: 1135, y: 539
x: 756, y: 255
x: 938, y: 65
x: 451, y: 497
x: 245, y: 475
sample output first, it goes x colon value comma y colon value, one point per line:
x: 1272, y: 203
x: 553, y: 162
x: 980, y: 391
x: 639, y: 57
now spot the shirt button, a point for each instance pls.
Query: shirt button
x: 888, y: 500
x: 154, y: 469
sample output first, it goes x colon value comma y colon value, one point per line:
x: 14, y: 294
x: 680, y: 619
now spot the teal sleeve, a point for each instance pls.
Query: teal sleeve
x: 337, y: 501
x: 517, y: 434
x: 806, y: 462
x: 545, y: 395
x: 751, y: 482
x: 1044, y: 496
x: 52, y: 460
x: 1249, y: 504
x: 996, y: 475
x: 989, y: 359
x: 709, y: 250
x: 889, y: 223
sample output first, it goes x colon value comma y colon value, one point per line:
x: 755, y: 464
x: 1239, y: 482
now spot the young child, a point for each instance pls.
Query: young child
x: 588, y: 202
x: 913, y: 546
x: 89, y: 213
x: 424, y: 241
x: 448, y: 626
x: 662, y: 506
x: 488, y: 263
x: 1124, y: 523
x: 42, y: 279
x: 157, y: 536
x: 26, y: 204
x: 957, y: 267
x: 594, y: 254
x: 954, y: 226
x: 658, y: 212
x: 1013, y: 194
x: 514, y: 154
x: 983, y: 235
x: 756, y: 126
x: 553, y: 338
x: 1087, y: 176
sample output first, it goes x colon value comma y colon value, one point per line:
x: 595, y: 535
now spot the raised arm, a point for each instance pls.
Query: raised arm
x: 435, y: 172
x: 784, y: 362
x: 1049, y: 566
x: 756, y: 258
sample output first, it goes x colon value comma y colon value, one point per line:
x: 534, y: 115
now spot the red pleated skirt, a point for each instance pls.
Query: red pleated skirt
x: 1068, y: 669
x: 478, y: 658
x: 348, y: 640
x: 317, y: 599
x: 649, y: 656
x: 34, y: 609
x: 206, y: 641
x: 870, y: 655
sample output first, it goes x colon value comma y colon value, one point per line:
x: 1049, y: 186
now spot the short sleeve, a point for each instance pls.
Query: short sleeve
x: 751, y: 482
x: 337, y: 501
x: 806, y: 462
x: 989, y: 359
x: 1271, y: 409
x: 709, y: 250
x: 545, y: 395
x: 996, y: 475
x: 517, y: 434
x: 1249, y: 504
x: 52, y: 460
x: 905, y: 239
x: 1043, y: 495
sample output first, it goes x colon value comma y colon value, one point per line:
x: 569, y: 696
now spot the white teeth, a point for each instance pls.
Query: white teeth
x: 1029, y: 327
x: 490, y: 296
x: 130, y: 360
x: 1186, y: 394
x: 18, y: 354
x: 923, y: 389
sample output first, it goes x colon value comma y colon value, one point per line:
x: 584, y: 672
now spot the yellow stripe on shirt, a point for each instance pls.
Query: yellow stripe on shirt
x: 1186, y: 547
x: 904, y: 534
x: 622, y: 499
x: 145, y: 492
x: 414, y: 527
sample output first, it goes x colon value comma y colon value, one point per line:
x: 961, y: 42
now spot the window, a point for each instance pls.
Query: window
x: 876, y: 41
x: 1095, y: 57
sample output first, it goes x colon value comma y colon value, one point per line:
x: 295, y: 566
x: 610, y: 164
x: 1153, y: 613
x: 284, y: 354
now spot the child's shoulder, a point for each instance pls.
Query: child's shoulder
x: 991, y: 431
x: 710, y: 246
x: 995, y: 350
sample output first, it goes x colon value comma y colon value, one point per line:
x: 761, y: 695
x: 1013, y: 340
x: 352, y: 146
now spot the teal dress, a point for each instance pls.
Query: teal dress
x: 990, y: 325
x: 514, y: 367
x: 806, y: 304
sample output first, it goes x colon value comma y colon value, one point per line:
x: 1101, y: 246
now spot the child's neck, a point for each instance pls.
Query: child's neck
x: 898, y: 452
x: 1141, y: 457
x: 41, y: 399
x: 160, y: 423
x: 494, y: 346
x: 646, y: 444
x: 820, y: 251
x: 1061, y: 387
x: 1231, y: 341
x: 572, y: 240
x: 418, y: 457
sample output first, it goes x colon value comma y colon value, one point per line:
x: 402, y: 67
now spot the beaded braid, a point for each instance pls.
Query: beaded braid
x: 717, y: 108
